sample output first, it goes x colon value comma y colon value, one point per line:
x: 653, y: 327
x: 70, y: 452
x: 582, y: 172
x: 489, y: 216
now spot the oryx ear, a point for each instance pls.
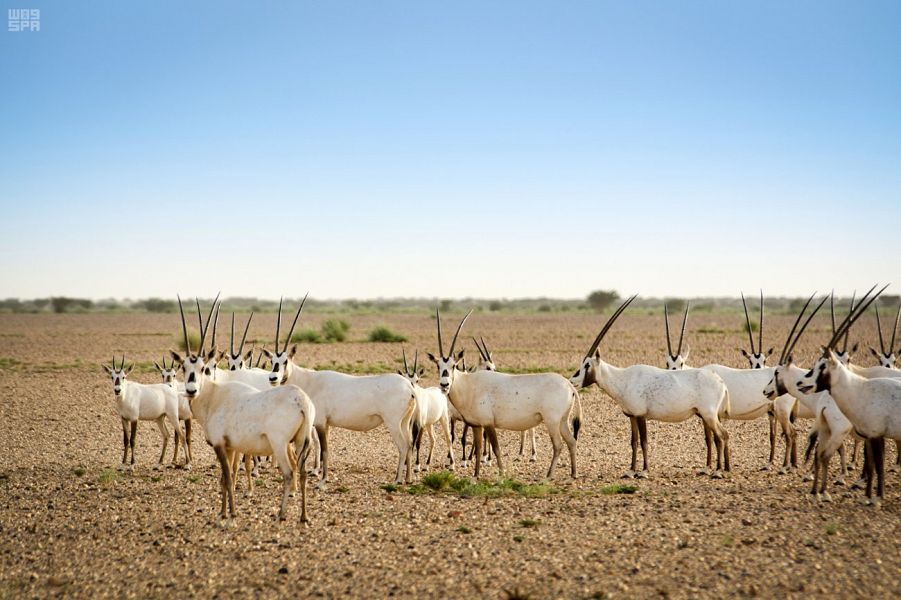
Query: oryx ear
x: 221, y: 356
x: 130, y: 368
x: 107, y: 369
x: 769, y: 352
x: 855, y: 347
x: 421, y: 371
x: 460, y: 355
x: 248, y: 355
x: 293, y: 351
x: 211, y: 355
x: 160, y: 369
x: 743, y: 353
x: 687, y: 352
x: 176, y: 356
x: 873, y: 351
x: 399, y: 372
x: 597, y: 353
x: 790, y: 359
x: 823, y: 350
x: 432, y: 358
x: 267, y: 353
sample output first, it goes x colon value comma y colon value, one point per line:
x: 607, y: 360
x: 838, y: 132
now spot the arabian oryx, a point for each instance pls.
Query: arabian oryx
x: 237, y: 418
x: 872, y: 405
x: 169, y: 373
x: 144, y: 402
x: 830, y: 427
x: 431, y: 410
x: 645, y: 392
x: 746, y: 398
x: 492, y: 400
x: 354, y: 402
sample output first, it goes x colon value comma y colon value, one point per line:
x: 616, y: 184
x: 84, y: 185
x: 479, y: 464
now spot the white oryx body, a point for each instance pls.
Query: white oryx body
x: 431, y: 409
x: 169, y: 374
x: 353, y: 402
x: 135, y: 402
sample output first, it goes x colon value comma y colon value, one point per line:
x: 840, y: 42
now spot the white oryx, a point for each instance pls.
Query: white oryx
x: 135, y: 402
x: 675, y: 362
x: 169, y: 374
x: 645, y: 392
x: 746, y: 397
x: 490, y: 400
x: 886, y: 356
x: 239, y: 368
x: 872, y: 405
x: 431, y: 410
x: 354, y: 402
x: 237, y: 418
x: 830, y: 428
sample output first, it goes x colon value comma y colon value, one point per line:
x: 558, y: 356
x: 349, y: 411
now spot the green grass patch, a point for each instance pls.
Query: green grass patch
x: 107, y: 477
x: 358, y: 368
x: 307, y: 336
x: 79, y: 471
x: 446, y: 482
x: 464, y: 529
x: 335, y: 330
x: 529, y: 523
x: 831, y: 529
x: 390, y: 487
x: 710, y: 330
x: 193, y: 337
x: 193, y: 478
x: 518, y: 538
x: 619, y: 488
x: 9, y: 363
x: 384, y: 334
x: 343, y: 489
x: 727, y: 540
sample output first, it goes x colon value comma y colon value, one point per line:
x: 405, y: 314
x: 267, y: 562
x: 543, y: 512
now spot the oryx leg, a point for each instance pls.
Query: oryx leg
x: 322, y: 432
x: 161, y: 425
x: 643, y: 438
x: 466, y: 428
x: 131, y: 442
x: 771, y: 417
x: 125, y: 426
x: 301, y: 461
x: 225, y: 480
x: 492, y: 439
x: 869, y: 467
x: 404, y: 442
x: 878, y: 457
x: 896, y: 466
x: 570, y: 440
x: 286, y: 463
x: 708, y: 441
x: 447, y: 432
x: 188, y: 440
x: 431, y: 432
x: 634, y: 423
x: 477, y: 447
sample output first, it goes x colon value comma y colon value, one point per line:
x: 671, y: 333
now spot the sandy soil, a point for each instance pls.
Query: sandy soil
x: 70, y: 524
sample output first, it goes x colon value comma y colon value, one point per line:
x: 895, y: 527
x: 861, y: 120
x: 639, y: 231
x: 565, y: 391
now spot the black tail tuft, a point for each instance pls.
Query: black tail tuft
x: 416, y: 432
x: 577, y: 425
x: 811, y: 443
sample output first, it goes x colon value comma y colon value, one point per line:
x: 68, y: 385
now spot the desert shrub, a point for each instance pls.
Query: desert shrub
x: 193, y: 336
x: 601, y: 299
x: 63, y: 304
x: 383, y: 334
x: 156, y: 305
x: 335, y: 330
x: 309, y: 336
x: 495, y: 305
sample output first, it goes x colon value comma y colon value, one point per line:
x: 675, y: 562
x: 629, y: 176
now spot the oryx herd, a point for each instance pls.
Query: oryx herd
x: 285, y: 411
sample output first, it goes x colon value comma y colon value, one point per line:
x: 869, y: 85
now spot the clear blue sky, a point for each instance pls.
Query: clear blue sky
x: 420, y: 148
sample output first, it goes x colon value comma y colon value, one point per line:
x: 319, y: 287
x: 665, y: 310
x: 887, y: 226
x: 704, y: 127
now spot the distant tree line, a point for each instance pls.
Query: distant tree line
x: 596, y: 301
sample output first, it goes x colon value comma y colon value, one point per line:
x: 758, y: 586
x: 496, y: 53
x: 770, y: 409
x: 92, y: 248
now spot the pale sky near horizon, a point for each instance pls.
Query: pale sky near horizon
x: 423, y: 149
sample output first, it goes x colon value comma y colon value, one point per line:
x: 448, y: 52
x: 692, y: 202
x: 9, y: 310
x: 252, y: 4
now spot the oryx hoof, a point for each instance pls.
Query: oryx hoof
x: 859, y: 484
x: 716, y: 475
x: 824, y: 497
x: 417, y: 469
x: 122, y: 467
x: 642, y: 475
x: 766, y: 467
x: 130, y: 469
x: 629, y: 475
x: 839, y: 481
x: 807, y: 477
x: 783, y: 471
x: 894, y: 468
x: 876, y: 502
x: 533, y: 459
x: 703, y: 471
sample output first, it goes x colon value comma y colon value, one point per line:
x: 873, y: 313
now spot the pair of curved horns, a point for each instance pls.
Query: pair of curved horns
x: 609, y: 324
x: 891, y: 347
x: 415, y: 362
x: 792, y: 339
x: 231, y: 343
x: 832, y: 311
x: 669, y: 344
x: 744, y: 304
x: 483, y: 349
x: 203, y: 328
x: 855, y: 313
x: 114, y: 363
x: 456, y: 333
x: 278, y: 323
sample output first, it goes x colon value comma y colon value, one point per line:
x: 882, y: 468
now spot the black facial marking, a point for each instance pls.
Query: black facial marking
x: 444, y: 373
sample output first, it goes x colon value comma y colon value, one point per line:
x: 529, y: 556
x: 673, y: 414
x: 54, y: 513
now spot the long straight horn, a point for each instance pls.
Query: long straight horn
x: 278, y: 324
x: 609, y: 324
x: 415, y: 360
x: 184, y: 326
x: 865, y: 302
x: 438, y: 320
x: 682, y: 333
x: 123, y: 362
x: 456, y: 333
x: 206, y: 326
x: 791, y: 348
x: 488, y: 352
x: 246, y: 329
x: 748, y: 322
x: 760, y: 327
x: 895, y: 329
x: 294, y: 324
x: 832, y: 309
x: 879, y: 328
x: 848, y: 331
x: 404, y: 354
x: 669, y: 344
x: 479, y: 348
x: 788, y: 340
x: 215, y: 326
x: 231, y: 339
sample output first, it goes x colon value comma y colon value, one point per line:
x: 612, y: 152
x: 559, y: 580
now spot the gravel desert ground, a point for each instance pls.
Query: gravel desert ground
x: 71, y: 524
